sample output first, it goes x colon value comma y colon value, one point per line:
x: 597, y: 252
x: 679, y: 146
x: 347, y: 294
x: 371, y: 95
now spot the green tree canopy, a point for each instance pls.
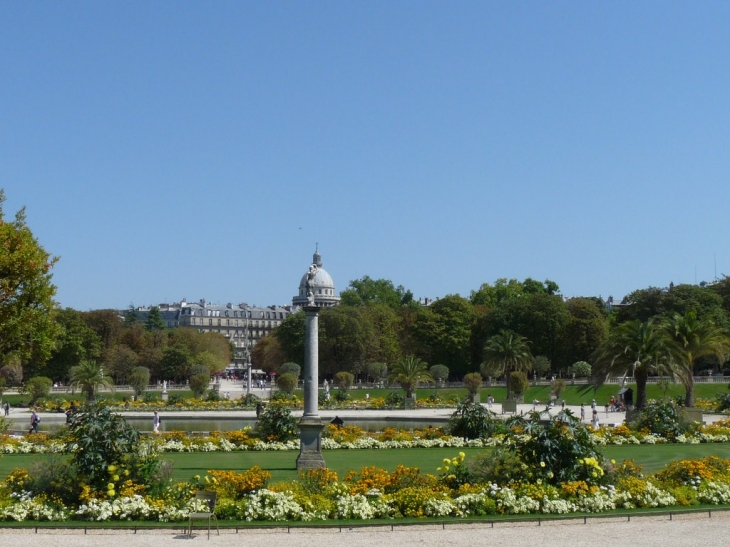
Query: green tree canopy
x: 27, y: 328
x: 366, y: 291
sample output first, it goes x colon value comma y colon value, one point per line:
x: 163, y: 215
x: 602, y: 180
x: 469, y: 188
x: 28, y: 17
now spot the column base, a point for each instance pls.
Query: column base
x: 310, y: 441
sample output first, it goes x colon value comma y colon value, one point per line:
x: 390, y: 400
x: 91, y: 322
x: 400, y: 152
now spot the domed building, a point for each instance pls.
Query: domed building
x: 316, y: 287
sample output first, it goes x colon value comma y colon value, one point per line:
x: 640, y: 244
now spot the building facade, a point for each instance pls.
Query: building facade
x: 242, y: 324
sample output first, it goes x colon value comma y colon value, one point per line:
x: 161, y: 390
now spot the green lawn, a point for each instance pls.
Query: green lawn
x: 282, y: 465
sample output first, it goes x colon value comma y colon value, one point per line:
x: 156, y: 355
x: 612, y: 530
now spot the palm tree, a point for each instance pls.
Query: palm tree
x: 636, y: 348
x: 410, y: 372
x: 689, y: 340
x: 88, y: 376
x: 505, y: 353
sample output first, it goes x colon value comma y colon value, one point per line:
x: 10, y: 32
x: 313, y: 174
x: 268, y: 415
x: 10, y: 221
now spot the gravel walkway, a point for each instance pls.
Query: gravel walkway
x: 647, y: 531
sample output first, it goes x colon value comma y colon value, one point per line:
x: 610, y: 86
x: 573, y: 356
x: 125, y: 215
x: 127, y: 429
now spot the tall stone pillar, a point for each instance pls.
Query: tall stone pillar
x: 310, y: 426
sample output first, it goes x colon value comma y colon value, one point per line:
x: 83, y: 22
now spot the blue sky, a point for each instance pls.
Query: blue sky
x: 170, y: 150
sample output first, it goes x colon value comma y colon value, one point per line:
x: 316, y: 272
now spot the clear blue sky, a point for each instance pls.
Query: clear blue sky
x: 170, y: 150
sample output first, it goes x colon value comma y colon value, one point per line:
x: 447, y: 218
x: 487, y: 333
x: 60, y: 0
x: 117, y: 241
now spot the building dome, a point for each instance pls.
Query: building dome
x: 320, y: 283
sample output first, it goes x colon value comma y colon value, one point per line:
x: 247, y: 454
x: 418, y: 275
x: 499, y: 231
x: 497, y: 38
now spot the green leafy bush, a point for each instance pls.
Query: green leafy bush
x: 38, y: 387
x: 395, y: 399
x: 473, y: 421
x: 287, y: 382
x: 102, y: 438
x: 661, y: 419
x: 276, y: 423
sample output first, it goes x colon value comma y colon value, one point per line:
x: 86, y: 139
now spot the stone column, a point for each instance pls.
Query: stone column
x: 310, y: 426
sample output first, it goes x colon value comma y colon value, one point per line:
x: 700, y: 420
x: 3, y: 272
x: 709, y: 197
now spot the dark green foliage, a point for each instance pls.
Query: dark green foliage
x: 213, y: 395
x: 276, y: 423
x: 473, y: 421
x: 395, y: 398
x: 172, y: 398
x: 660, y: 419
x: 53, y: 477
x: 341, y: 395
x: 38, y: 387
x: 553, y: 449
x: 723, y: 402
x: 518, y: 382
x: 250, y: 400
x: 199, y: 383
x: 473, y: 382
x: 290, y: 368
x: 152, y: 396
x: 139, y: 379
x: 102, y: 438
x: 287, y: 382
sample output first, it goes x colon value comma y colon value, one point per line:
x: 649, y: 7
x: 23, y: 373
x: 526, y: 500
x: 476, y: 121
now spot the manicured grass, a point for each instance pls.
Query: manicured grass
x: 282, y: 465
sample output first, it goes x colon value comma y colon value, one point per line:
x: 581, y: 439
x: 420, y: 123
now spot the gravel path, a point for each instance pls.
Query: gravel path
x: 647, y: 531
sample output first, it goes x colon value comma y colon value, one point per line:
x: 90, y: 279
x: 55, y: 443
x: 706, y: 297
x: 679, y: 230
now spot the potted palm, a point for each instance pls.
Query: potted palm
x: 410, y: 372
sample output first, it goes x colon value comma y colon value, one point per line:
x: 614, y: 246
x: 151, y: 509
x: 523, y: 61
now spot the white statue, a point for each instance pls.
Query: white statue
x: 164, y: 386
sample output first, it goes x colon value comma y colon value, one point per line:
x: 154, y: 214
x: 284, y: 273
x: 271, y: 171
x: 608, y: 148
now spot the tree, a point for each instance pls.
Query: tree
x: 38, y: 388
x: 691, y: 339
x: 344, y: 380
x: 439, y: 373
x: 473, y: 383
x: 75, y: 342
x: 267, y: 354
x: 541, y: 365
x: 291, y: 368
x: 290, y: 334
x: 121, y: 361
x: 410, y: 372
x: 586, y: 329
x: 88, y: 376
x: 176, y: 363
x: 505, y: 353
x: 154, y: 319
x: 287, y: 382
x: 581, y: 369
x: 362, y: 292
x: 139, y: 379
x: 27, y: 328
x: 444, y: 329
x: 199, y: 381
x: 377, y: 371
x: 344, y: 336
x: 637, y: 348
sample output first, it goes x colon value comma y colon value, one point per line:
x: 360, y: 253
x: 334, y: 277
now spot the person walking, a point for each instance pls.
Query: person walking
x: 156, y: 423
x: 7, y: 409
x: 35, y: 420
x: 582, y: 412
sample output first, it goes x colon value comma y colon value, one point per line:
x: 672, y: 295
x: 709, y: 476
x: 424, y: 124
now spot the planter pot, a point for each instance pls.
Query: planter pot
x: 690, y: 415
x: 409, y: 403
x: 510, y: 405
x: 476, y: 398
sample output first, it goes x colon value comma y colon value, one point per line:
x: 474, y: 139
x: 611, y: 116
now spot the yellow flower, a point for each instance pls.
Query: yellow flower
x: 112, y: 468
x: 462, y: 455
x: 110, y: 486
x: 110, y: 493
x: 542, y: 464
x: 115, y: 478
x: 447, y: 461
x: 613, y: 462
